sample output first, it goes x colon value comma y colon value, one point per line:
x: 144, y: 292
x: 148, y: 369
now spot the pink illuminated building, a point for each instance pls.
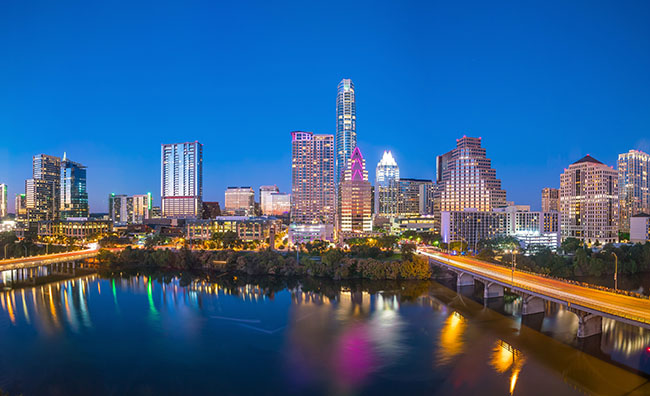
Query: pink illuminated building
x: 356, y: 197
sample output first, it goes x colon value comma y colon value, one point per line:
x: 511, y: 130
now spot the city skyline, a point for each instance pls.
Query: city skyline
x: 565, y: 85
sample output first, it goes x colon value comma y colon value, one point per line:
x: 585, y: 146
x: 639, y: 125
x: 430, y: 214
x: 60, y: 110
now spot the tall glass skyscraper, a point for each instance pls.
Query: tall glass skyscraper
x: 181, y: 180
x: 633, y: 186
x: 346, y: 126
x: 387, y: 186
x: 73, y: 194
x: 42, y: 191
x: 3, y: 200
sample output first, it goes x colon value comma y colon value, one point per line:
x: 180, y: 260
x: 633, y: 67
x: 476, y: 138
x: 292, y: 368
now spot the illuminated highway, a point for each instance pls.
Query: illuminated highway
x: 617, y: 306
x: 33, y: 261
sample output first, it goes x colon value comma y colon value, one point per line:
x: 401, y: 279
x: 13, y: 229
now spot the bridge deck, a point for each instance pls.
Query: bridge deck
x: 617, y: 306
x: 35, y: 261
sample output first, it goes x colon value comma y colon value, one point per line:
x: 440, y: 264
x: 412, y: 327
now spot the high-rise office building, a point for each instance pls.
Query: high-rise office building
x: 266, y: 205
x: 21, y: 207
x: 346, y: 125
x: 312, y: 178
x: 42, y: 191
x: 3, y: 200
x: 633, y: 186
x: 465, y: 179
x: 356, y: 197
x: 387, y: 186
x: 280, y: 204
x: 129, y: 209
x: 73, y: 200
x: 414, y: 197
x: 240, y: 201
x: 589, y: 202
x: 550, y: 199
x: 181, y: 181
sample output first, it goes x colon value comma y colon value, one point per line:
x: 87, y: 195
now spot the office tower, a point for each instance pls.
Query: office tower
x: 387, y: 186
x: 265, y: 201
x: 43, y: 189
x: 633, y: 186
x: 21, y: 207
x: 550, y: 200
x: 3, y: 200
x: 129, y: 209
x: 589, y: 202
x: 356, y: 197
x: 414, y: 197
x: 181, y: 182
x: 312, y: 178
x: 346, y: 125
x: 280, y: 204
x: 73, y: 194
x: 240, y: 201
x: 465, y: 179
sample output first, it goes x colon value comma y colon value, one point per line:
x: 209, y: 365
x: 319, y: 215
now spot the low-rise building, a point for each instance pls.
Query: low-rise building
x: 640, y: 228
x: 74, y: 227
x: 304, y: 233
x: 247, y: 228
x: 419, y: 224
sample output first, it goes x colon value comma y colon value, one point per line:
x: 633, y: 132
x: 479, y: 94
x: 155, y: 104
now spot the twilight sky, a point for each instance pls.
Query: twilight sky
x: 543, y: 83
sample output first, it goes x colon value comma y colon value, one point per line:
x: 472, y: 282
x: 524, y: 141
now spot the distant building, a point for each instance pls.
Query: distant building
x: 633, y: 186
x: 346, y: 125
x: 313, y: 192
x: 247, y: 228
x: 305, y: 233
x: 73, y: 195
x: 386, y: 202
x: 465, y: 179
x: 640, y: 228
x: 42, y: 191
x: 79, y: 228
x: 124, y: 209
x: 181, y: 185
x: 240, y: 201
x: 550, y: 200
x: 3, y: 200
x: 356, y: 197
x: 418, y: 224
x: 589, y: 202
x: 266, y: 205
x: 211, y: 210
x: 415, y: 197
x: 280, y: 204
x: 21, y: 209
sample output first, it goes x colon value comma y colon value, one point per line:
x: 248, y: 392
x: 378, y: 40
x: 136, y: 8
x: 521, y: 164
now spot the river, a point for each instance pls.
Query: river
x: 181, y: 334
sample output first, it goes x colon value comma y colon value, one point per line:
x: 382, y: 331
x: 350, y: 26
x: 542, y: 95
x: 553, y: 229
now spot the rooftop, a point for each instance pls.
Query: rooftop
x: 587, y: 158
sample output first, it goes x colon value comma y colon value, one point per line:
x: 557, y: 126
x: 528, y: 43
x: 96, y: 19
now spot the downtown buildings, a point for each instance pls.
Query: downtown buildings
x: 134, y: 209
x: 633, y: 186
x: 181, y: 180
x: 355, y: 197
x: 550, y: 200
x: 239, y: 201
x: 589, y: 202
x: 73, y: 196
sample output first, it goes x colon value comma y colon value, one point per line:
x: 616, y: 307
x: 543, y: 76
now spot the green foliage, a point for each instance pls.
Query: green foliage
x: 499, y: 244
x: 407, y: 250
x: 570, y: 245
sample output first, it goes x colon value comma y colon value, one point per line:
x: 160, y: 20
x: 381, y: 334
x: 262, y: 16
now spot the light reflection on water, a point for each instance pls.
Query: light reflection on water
x: 269, y: 337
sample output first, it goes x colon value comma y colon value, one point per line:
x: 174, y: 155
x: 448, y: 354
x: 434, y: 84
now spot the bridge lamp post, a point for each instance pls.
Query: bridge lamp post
x: 615, y: 271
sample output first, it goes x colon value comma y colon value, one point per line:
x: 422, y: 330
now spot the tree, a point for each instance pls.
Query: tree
x: 407, y: 250
x: 570, y: 245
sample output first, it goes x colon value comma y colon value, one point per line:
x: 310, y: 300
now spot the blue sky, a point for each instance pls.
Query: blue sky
x: 543, y: 83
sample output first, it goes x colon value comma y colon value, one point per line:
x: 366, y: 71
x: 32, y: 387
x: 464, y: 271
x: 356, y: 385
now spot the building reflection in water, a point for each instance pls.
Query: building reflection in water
x: 452, y: 341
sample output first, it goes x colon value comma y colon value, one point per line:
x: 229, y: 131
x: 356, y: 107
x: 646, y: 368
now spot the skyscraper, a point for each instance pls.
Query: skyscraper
x: 3, y: 200
x: 356, y: 197
x: 21, y: 209
x: 414, y: 197
x: 73, y: 194
x: 550, y: 200
x: 387, y: 186
x: 465, y: 179
x: 124, y: 209
x: 346, y: 125
x: 312, y: 178
x: 42, y: 191
x: 633, y: 186
x: 240, y: 201
x: 266, y: 205
x: 181, y: 181
x: 589, y: 202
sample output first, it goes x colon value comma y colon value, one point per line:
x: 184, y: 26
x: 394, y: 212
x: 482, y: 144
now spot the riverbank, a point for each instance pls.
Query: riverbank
x: 333, y: 264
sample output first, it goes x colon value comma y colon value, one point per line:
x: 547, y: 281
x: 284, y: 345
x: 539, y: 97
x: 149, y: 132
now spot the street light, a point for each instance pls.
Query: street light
x: 615, y: 271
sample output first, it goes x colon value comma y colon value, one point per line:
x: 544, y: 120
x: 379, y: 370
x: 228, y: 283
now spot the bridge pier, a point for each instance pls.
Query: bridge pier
x: 588, y: 323
x: 531, y: 305
x: 464, y: 279
x: 491, y: 290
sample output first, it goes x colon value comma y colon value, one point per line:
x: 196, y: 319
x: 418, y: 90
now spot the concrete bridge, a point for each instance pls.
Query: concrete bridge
x: 590, y: 305
x: 46, y: 259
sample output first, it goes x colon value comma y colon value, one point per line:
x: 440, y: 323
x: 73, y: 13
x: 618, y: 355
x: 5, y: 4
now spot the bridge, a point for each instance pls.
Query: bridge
x: 46, y: 259
x: 589, y: 304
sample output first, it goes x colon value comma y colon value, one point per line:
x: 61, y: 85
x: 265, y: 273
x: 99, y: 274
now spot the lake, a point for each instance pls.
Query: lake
x: 184, y: 334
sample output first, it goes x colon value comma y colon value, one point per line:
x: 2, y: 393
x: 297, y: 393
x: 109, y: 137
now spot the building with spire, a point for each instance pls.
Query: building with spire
x: 355, y: 197
x: 589, y: 202
x: 387, y: 186
x: 346, y: 125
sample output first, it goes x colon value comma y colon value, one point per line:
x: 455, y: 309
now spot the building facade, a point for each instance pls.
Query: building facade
x: 305, y: 233
x: 266, y: 205
x: 550, y: 200
x: 3, y: 200
x: 80, y: 228
x: 133, y: 209
x: 589, y: 202
x: 640, y: 228
x: 415, y: 197
x: 386, y: 197
x: 633, y: 186
x: 280, y: 204
x: 313, y: 191
x: 239, y: 201
x: 181, y: 180
x: 356, y: 198
x: 73, y: 196
x: 211, y: 210
x: 346, y: 125
x: 43, y: 189
x: 20, y: 207
x: 246, y: 228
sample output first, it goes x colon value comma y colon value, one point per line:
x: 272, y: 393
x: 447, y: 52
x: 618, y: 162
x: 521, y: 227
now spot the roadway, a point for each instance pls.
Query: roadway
x: 617, y: 306
x: 45, y: 259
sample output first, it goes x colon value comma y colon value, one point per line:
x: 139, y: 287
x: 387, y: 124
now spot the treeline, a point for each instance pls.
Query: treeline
x: 14, y: 248
x: 333, y: 263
